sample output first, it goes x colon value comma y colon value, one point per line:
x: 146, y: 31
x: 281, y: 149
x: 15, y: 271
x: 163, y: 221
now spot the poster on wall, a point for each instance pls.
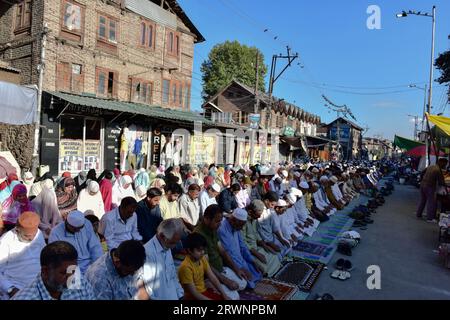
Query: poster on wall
x: 244, y: 156
x: 71, y: 155
x: 202, y: 150
x: 92, y: 155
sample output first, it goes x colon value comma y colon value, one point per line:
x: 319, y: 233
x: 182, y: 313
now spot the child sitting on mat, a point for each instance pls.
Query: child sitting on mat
x: 193, y: 270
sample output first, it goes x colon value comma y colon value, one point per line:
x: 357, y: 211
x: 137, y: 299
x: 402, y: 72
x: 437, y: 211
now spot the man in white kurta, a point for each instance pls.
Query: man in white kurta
x: 20, y: 250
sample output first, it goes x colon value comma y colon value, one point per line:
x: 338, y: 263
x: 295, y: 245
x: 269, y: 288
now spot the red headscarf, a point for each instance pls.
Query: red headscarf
x: 66, y: 175
x: 106, y: 191
x: 12, y: 177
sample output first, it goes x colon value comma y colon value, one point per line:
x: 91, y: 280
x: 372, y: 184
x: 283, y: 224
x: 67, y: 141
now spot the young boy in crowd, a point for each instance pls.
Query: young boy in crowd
x: 195, y: 268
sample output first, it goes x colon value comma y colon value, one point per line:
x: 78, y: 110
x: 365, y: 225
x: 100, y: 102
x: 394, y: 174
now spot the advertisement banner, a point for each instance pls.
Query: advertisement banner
x: 203, y: 149
x: 244, y: 156
x: 92, y: 155
x: 71, y: 155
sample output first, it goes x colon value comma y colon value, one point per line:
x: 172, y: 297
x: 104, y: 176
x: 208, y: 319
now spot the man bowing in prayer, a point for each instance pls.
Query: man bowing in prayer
x: 80, y: 233
x: 231, y: 239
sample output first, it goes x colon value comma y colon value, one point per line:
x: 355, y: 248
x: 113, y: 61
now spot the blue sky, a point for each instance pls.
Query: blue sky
x: 342, y: 58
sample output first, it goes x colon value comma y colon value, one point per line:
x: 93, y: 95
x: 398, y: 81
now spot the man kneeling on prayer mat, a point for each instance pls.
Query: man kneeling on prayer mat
x: 307, y: 201
x: 20, y: 249
x: 60, y: 278
x: 327, y: 184
x: 291, y: 227
x: 231, y: 239
x: 266, y: 257
x: 319, y: 204
x: 280, y: 240
x: 308, y: 222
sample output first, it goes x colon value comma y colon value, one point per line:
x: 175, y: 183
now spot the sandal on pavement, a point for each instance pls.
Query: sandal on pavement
x: 335, y: 274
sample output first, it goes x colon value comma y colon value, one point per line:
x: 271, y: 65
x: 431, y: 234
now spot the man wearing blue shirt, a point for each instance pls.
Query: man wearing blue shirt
x: 79, y: 232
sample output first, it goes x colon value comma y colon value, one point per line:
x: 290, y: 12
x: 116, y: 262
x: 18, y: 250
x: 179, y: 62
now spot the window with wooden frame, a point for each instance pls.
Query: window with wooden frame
x: 173, y: 43
x: 187, y: 95
x: 72, y: 24
x: 23, y: 16
x: 147, y: 34
x: 107, y: 33
x: 166, y: 91
x: 106, y: 82
x: 69, y: 77
x: 141, y: 91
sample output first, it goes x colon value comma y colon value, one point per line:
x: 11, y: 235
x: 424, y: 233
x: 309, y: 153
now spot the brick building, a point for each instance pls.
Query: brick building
x: 109, y: 65
x: 234, y: 105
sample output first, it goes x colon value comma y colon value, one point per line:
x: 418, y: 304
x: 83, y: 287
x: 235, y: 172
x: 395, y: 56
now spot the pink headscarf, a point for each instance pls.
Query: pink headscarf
x: 15, y: 208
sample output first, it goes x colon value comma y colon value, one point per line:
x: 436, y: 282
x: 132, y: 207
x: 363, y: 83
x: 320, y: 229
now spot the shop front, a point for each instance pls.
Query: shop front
x: 79, y: 133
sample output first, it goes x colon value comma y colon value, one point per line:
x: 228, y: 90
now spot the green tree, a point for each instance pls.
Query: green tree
x: 443, y: 64
x: 228, y: 61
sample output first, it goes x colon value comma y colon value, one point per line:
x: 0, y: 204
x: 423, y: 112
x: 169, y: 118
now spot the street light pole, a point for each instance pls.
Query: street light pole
x: 430, y: 88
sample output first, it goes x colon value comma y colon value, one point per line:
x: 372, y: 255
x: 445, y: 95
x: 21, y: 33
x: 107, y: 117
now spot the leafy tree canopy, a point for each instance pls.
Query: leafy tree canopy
x: 232, y: 60
x: 443, y: 64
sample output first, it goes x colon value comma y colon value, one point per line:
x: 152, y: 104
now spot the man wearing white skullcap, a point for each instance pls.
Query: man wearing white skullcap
x: 79, y: 232
x: 290, y: 225
x: 280, y: 240
x: 231, y: 239
x: 328, y: 188
x: 90, y: 198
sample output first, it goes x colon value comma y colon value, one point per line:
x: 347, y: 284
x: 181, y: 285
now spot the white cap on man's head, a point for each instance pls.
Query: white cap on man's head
x: 304, y: 185
x: 76, y: 219
x: 334, y: 179
x: 240, y: 214
x: 215, y: 187
x: 281, y: 203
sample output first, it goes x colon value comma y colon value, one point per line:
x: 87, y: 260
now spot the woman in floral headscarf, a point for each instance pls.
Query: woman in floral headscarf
x: 66, y: 196
x: 15, y: 205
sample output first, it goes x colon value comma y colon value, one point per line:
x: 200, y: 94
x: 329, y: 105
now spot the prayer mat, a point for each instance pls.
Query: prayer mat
x: 309, y: 247
x: 269, y: 289
x: 302, y: 273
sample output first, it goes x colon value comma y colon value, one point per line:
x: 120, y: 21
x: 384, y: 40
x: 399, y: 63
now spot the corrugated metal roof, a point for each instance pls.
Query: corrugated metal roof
x: 133, y: 108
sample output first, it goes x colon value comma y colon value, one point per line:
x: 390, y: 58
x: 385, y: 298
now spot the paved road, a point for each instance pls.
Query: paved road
x: 402, y: 246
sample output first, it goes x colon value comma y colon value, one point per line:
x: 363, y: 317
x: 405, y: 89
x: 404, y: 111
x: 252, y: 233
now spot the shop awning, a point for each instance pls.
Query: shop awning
x: 441, y: 122
x: 129, y: 107
x: 406, y: 144
x: 314, y: 141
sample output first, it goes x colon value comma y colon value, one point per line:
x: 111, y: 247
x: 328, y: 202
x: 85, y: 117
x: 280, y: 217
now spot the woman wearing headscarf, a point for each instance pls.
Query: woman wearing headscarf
x: 47, y: 208
x: 80, y: 181
x: 220, y: 179
x: 122, y: 190
x: 66, y: 196
x: 106, y: 187
x: 158, y: 183
x: 7, y: 186
x: 91, y: 199
x: 142, y: 179
x: 15, y: 205
x: 28, y: 180
x: 210, y: 179
x: 153, y: 173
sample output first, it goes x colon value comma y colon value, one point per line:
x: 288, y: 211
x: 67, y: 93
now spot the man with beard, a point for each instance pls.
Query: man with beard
x: 20, y: 249
x: 57, y: 280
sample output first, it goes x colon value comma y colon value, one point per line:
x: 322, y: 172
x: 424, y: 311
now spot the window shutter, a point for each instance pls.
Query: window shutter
x: 63, y: 74
x: 115, y: 84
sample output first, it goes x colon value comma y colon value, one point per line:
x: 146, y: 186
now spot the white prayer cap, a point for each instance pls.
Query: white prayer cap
x: 142, y: 170
x: 93, y: 187
x: 292, y: 198
x: 48, y: 183
x: 284, y: 173
x: 240, y: 214
x: 334, y: 179
x: 297, y: 174
x: 296, y: 192
x: 323, y: 179
x: 304, y: 185
x: 125, y: 180
x: 215, y: 187
x: 281, y: 203
x: 141, y: 193
x: 315, y: 170
x: 267, y: 172
x: 28, y: 175
x: 76, y: 219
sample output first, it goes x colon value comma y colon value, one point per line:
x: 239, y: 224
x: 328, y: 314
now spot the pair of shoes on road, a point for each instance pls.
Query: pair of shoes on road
x: 345, y: 249
x: 432, y: 221
x: 342, y: 270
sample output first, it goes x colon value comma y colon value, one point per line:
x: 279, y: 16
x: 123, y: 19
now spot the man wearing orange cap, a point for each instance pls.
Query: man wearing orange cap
x: 20, y: 249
